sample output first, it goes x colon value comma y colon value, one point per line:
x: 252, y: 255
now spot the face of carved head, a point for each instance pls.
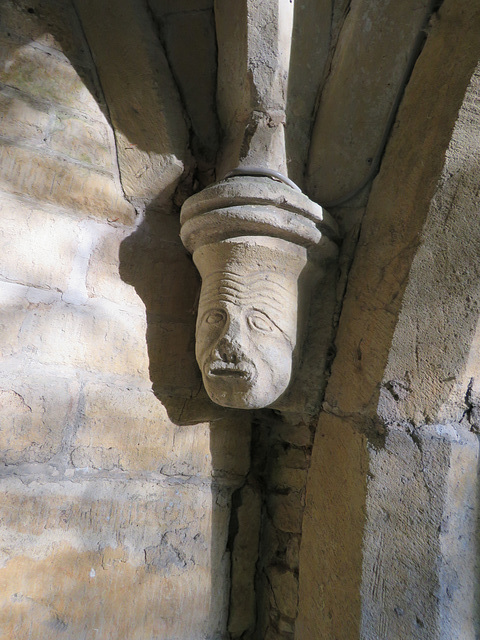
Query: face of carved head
x: 246, y: 334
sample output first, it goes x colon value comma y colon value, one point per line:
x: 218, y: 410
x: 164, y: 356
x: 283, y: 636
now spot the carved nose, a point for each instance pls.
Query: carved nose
x: 228, y: 349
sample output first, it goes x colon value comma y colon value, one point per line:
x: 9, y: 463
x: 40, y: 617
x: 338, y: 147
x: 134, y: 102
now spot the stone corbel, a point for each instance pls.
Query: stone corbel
x: 256, y: 241
x: 255, y: 237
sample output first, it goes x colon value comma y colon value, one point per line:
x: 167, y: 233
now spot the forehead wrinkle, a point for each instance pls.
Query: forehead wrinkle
x: 216, y: 286
x: 251, y: 298
x: 265, y: 296
x: 258, y: 288
x: 250, y: 279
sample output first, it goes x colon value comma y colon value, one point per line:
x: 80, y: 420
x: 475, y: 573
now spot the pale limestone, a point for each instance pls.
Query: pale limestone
x: 78, y: 411
x: 108, y: 540
x: 13, y: 308
x: 143, y: 101
x: 50, y: 24
x: 190, y: 44
x: 251, y: 239
x: 21, y: 120
x: 435, y: 351
x: 254, y: 37
x: 113, y: 546
x: 89, y: 337
x: 63, y: 183
x: 103, y: 279
x: 367, y: 75
x: 46, y: 76
x: 374, y: 560
x: 311, y: 42
x: 244, y: 346
x: 87, y: 142
x: 132, y: 430
x: 141, y: 271
x: 45, y: 244
x: 34, y: 415
x: 330, y: 571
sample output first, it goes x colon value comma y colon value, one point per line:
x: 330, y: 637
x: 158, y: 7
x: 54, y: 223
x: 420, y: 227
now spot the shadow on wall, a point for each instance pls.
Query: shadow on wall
x: 27, y: 27
x: 154, y: 262
x: 153, y: 259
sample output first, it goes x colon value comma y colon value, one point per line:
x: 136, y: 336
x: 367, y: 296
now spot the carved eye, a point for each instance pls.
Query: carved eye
x: 215, y: 317
x: 260, y: 323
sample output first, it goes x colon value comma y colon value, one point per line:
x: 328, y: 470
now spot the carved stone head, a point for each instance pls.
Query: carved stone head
x: 247, y: 319
x: 248, y: 332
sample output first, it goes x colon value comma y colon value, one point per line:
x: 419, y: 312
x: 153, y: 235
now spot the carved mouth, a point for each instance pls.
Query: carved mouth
x: 226, y: 371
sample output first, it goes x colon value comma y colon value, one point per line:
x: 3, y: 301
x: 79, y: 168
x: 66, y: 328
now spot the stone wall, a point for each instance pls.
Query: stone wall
x: 115, y: 496
x: 132, y: 507
x: 390, y: 534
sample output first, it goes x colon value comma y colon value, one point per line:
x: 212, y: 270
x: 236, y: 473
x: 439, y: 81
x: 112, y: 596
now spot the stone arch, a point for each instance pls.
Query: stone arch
x: 380, y: 551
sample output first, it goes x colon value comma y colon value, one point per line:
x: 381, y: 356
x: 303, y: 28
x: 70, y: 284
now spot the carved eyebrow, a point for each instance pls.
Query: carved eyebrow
x: 214, y: 309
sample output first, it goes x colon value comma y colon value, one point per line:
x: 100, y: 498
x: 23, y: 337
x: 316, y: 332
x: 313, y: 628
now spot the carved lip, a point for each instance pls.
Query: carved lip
x: 228, y: 371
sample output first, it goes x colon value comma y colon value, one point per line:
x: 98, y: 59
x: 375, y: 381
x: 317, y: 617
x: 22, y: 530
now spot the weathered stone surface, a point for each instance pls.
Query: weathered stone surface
x: 190, y: 44
x: 376, y: 45
x: 251, y: 239
x: 387, y: 246
x: 103, y: 278
x: 77, y: 413
x: 254, y: 38
x: 332, y: 534
x: 434, y: 353
x: 93, y: 338
x: 90, y: 545
x: 295, y: 431
x: 230, y: 442
x: 172, y: 366
x: 284, y: 591
x: 242, y: 611
x: 131, y: 431
x: 46, y: 76
x: 44, y: 244
x: 153, y: 261
x: 34, y: 415
x: 63, y: 183
x: 130, y: 506
x: 378, y: 451
x: 46, y: 23
x: 143, y: 101
x: 21, y: 119
x: 87, y: 142
x: 286, y: 511
x: 311, y: 40
x: 435, y: 482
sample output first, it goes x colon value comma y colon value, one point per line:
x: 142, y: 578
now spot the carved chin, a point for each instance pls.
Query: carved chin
x: 229, y: 385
